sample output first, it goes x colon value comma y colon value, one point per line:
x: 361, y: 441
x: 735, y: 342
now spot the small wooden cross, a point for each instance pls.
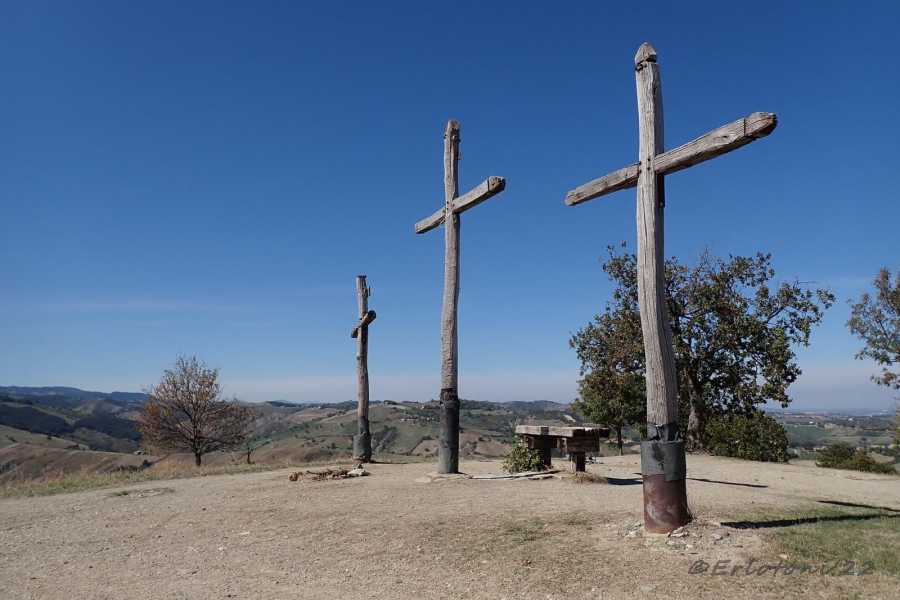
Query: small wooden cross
x: 662, y: 455
x: 362, y: 442
x: 448, y: 449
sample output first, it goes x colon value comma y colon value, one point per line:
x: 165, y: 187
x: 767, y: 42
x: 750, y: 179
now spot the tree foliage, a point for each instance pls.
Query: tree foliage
x: 611, y: 391
x: 876, y: 321
x: 844, y: 456
x: 734, y: 332
x: 521, y: 458
x: 185, y: 411
x: 754, y: 436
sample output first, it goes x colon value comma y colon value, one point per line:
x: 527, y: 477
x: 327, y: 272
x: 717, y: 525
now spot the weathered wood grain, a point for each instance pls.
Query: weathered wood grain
x: 709, y: 145
x: 486, y: 189
x: 362, y: 442
x: 454, y: 205
x: 365, y: 320
x: 448, y: 447
x: 431, y: 221
x: 662, y: 392
x: 665, y: 500
x: 624, y: 178
x: 717, y: 142
x: 559, y: 431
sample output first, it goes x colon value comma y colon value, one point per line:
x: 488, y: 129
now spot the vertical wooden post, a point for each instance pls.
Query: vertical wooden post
x: 578, y: 461
x: 362, y: 442
x: 665, y: 497
x: 448, y: 449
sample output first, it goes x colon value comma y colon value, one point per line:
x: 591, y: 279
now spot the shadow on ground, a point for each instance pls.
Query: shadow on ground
x: 775, y: 523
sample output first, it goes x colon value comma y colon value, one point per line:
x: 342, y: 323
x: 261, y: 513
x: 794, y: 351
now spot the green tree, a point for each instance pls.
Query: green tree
x: 734, y: 331
x: 844, y: 456
x: 611, y: 391
x: 754, y: 436
x: 876, y: 321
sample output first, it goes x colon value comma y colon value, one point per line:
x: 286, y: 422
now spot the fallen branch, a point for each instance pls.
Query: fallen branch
x: 523, y: 475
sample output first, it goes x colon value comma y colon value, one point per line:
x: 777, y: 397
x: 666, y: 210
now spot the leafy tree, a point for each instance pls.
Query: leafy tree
x: 611, y: 391
x: 844, y: 456
x: 754, y: 436
x: 185, y: 411
x: 734, y: 331
x: 876, y: 321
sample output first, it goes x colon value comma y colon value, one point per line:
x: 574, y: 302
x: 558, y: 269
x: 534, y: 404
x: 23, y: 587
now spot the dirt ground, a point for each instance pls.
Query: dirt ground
x: 391, y: 535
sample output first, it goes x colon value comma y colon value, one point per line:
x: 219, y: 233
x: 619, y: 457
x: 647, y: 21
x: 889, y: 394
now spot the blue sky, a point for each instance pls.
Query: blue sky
x: 209, y: 179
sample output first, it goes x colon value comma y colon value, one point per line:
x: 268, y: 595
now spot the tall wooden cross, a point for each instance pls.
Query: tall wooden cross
x: 362, y: 442
x: 662, y: 455
x: 448, y: 449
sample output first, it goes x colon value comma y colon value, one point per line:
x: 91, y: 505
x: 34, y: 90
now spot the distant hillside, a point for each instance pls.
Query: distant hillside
x: 73, y: 397
x: 74, y: 419
x: 95, y: 420
x: 316, y: 432
x: 25, y: 461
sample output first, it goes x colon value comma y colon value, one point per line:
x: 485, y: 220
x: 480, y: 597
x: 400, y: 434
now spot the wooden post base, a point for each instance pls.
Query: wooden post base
x: 544, y: 446
x: 546, y: 457
x: 448, y: 446
x: 578, y: 461
x: 362, y: 442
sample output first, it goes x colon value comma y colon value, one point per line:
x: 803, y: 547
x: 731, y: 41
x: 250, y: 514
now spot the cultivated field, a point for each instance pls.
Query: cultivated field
x: 394, y: 535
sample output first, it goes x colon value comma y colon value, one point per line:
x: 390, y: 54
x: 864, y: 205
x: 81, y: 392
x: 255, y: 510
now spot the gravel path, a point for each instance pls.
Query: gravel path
x: 259, y: 536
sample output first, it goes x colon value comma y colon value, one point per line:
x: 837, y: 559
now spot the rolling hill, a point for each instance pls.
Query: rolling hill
x: 68, y: 427
x: 94, y: 420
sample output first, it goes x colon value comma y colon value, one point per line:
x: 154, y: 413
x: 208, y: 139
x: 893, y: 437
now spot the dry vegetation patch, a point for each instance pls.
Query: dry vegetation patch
x: 62, y: 483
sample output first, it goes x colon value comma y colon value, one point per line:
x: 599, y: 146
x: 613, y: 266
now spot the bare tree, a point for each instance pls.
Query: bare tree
x: 185, y: 411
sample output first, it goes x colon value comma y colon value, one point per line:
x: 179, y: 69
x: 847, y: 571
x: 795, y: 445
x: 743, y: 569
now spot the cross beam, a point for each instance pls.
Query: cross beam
x: 715, y: 143
x: 454, y: 205
x: 487, y: 188
x: 662, y: 455
x: 363, y: 322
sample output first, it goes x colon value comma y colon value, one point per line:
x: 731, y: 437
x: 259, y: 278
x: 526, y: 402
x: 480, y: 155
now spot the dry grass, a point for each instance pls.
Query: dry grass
x: 62, y: 483
x: 588, y: 477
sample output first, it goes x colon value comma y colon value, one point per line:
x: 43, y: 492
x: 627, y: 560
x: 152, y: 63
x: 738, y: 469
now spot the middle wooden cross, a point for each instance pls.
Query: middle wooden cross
x: 454, y: 204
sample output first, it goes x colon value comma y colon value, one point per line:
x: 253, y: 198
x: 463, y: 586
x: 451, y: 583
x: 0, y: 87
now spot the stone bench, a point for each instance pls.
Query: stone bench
x: 576, y: 442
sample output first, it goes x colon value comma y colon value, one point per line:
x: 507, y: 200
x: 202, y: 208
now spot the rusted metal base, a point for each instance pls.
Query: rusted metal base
x: 665, y: 504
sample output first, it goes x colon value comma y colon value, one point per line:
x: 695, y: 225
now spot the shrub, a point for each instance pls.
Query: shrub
x: 756, y: 436
x: 844, y: 456
x: 522, y: 458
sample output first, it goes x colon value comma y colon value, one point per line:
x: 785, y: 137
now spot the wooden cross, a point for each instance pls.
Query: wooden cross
x: 362, y: 442
x: 448, y: 449
x: 662, y: 455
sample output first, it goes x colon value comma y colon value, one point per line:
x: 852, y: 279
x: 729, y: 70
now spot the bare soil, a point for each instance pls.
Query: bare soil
x: 260, y: 536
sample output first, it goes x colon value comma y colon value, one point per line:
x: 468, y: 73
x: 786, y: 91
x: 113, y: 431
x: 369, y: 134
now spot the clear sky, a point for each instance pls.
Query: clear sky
x: 182, y: 177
